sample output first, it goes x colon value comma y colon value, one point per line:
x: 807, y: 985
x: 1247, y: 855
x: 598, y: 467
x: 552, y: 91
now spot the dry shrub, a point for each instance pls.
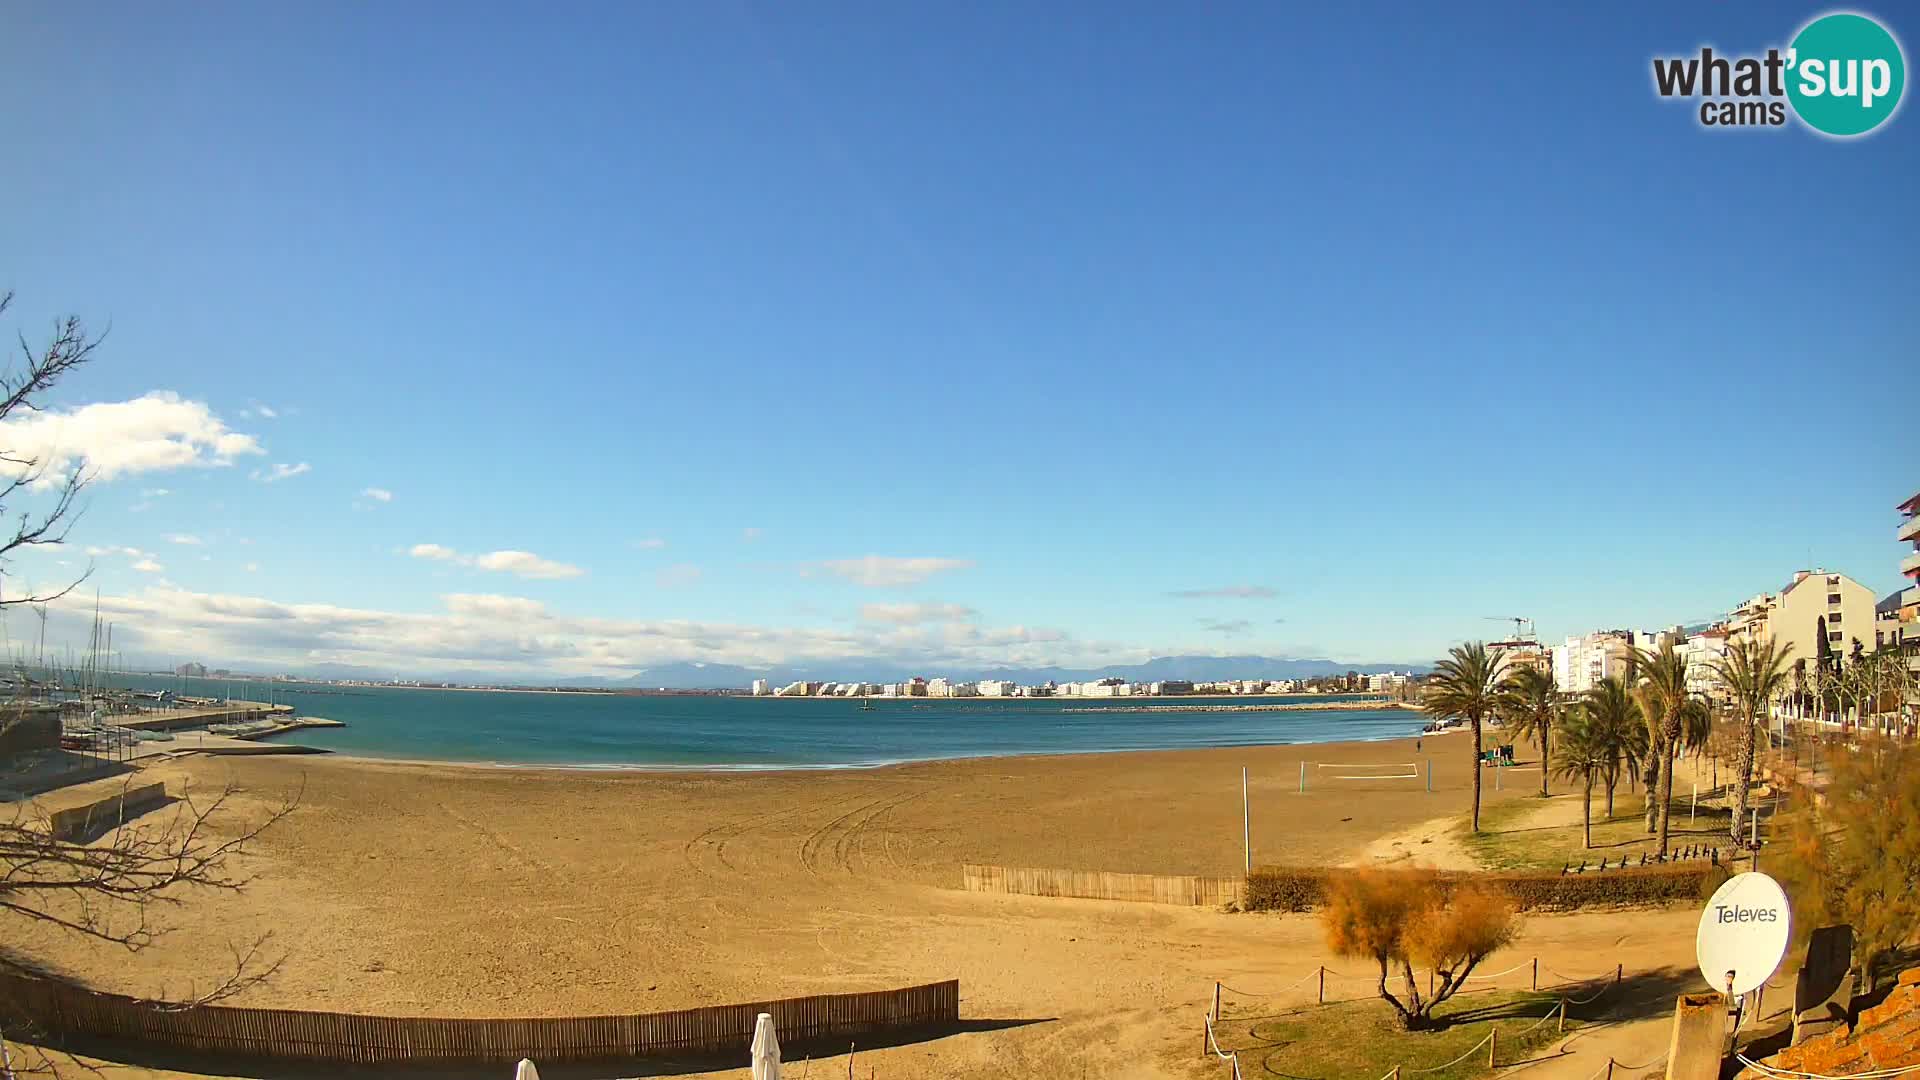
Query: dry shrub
x: 1410, y: 918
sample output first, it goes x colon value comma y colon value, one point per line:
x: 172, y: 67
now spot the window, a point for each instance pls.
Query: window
x: 1833, y: 599
x: 1834, y: 637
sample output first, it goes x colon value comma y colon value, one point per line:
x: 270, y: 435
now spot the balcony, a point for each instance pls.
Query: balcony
x: 1910, y: 529
x: 1910, y: 566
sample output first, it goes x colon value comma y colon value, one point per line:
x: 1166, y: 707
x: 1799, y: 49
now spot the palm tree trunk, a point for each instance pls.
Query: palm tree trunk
x: 1610, y: 785
x: 1546, y: 733
x: 1586, y: 815
x: 1650, y: 787
x: 1666, y: 785
x: 1476, y: 774
x: 1743, y: 781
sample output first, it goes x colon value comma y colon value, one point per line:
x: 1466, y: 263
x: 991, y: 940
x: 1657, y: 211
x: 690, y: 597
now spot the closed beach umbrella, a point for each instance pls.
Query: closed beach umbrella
x: 766, y: 1049
x: 526, y: 1071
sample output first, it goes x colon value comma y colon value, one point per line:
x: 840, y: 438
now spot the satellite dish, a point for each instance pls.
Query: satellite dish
x: 1743, y: 933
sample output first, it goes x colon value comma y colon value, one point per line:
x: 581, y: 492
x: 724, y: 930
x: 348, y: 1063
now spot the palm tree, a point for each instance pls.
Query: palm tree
x: 1664, y: 696
x: 1529, y: 701
x: 1612, y: 713
x: 1754, y: 673
x: 1466, y: 686
x: 1585, y: 749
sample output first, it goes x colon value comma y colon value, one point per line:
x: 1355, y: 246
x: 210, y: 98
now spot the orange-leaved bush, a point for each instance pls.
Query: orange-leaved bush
x: 1407, y: 919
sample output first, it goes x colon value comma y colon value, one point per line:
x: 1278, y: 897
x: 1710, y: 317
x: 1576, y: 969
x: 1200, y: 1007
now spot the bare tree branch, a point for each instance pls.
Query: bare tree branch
x: 21, y: 389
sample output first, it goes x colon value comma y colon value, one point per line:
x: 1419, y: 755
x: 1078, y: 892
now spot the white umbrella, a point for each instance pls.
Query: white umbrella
x: 766, y: 1049
x: 526, y: 1071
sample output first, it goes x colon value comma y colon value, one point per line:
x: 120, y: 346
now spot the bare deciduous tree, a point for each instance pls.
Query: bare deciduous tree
x: 105, y: 889
x: 21, y: 390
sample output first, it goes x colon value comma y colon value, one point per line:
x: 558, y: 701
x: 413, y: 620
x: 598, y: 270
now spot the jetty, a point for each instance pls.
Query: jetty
x: 201, y: 715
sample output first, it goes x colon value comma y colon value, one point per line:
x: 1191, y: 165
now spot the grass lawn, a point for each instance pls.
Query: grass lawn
x: 1531, y: 834
x: 1363, y: 1040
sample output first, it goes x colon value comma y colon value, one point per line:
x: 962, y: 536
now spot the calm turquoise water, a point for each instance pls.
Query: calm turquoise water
x: 603, y: 731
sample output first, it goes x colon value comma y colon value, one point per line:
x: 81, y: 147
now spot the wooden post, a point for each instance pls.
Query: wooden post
x: 1215, y: 1014
x: 1536, y: 973
x: 1619, y: 971
x: 1429, y: 785
x: 1561, y: 1024
x: 1303, y: 778
x: 1493, y: 1046
x: 849, y: 1061
x: 1609, y: 1069
x: 1246, y: 826
x: 1320, y: 997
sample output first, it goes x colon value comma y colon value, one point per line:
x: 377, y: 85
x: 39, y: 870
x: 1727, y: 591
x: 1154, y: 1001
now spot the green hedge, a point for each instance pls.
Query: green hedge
x: 1297, y: 888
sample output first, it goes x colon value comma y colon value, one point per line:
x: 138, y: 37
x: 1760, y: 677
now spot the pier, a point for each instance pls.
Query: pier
x: 230, y: 712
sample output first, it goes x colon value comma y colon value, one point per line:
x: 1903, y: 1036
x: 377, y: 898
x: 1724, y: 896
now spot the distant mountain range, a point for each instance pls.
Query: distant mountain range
x: 696, y: 676
x: 690, y: 675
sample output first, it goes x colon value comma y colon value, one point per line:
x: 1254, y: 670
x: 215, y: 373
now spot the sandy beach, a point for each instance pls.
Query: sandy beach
x: 470, y: 890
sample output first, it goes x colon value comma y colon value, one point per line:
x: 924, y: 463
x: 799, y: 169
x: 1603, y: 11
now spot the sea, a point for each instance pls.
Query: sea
x: 609, y: 731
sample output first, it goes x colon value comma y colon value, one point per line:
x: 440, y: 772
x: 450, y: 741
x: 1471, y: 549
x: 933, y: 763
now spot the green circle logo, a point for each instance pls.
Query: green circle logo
x: 1845, y: 74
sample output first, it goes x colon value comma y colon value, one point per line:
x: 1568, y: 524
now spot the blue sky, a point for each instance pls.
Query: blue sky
x: 1383, y: 319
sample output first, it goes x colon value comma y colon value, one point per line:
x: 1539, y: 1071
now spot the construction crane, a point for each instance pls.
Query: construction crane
x: 1522, y: 626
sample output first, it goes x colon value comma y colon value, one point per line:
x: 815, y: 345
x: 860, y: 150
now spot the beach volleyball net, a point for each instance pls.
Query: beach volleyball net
x: 1378, y: 770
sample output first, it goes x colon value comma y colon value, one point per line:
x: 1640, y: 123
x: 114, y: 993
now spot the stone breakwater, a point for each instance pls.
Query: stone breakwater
x: 1278, y: 706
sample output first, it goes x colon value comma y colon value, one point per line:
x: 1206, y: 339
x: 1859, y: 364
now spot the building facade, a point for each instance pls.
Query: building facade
x: 1908, y: 612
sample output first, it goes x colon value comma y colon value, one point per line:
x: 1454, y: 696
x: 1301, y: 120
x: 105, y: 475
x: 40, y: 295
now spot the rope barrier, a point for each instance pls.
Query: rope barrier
x: 1597, y: 995
x: 1497, y: 974
x: 1661, y: 1060
x: 1581, y: 978
x: 1560, y: 1008
x: 1470, y: 1052
x: 1789, y: 1074
x: 1232, y: 1058
x: 1272, y: 993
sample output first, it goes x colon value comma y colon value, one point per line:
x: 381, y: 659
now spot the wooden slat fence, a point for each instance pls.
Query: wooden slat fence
x: 59, y: 1010
x: 1101, y: 885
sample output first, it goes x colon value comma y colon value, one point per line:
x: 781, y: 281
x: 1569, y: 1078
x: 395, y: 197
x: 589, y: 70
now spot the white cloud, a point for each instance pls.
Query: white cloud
x: 751, y: 533
x: 154, y: 493
x: 377, y: 494
x: 252, y: 568
x: 1229, y: 592
x: 130, y: 552
x: 184, y: 538
x: 910, y: 614
x: 152, y: 433
x: 489, y: 633
x: 266, y: 412
x: 678, y: 574
x: 148, y: 566
x: 651, y: 543
x: 280, y: 471
x: 880, y: 572
x: 519, y: 563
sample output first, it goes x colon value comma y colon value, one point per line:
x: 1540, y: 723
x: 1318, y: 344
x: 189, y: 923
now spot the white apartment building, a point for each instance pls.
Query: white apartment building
x: 995, y: 688
x: 939, y: 688
x: 1813, y: 603
x: 792, y: 689
x: 759, y: 688
x: 1908, y: 612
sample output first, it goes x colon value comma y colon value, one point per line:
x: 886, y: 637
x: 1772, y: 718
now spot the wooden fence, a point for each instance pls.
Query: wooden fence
x: 60, y: 1011
x: 1101, y: 885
